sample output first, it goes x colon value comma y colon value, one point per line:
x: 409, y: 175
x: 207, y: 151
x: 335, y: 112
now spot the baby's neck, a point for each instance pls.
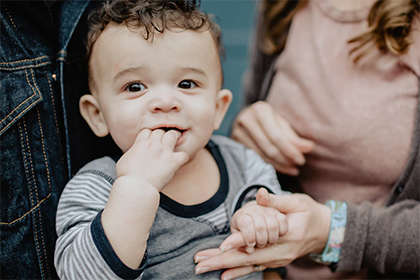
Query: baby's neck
x: 196, y: 181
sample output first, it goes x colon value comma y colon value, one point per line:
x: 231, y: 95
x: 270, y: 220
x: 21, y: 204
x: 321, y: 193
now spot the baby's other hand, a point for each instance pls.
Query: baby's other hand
x: 152, y: 158
x: 255, y: 225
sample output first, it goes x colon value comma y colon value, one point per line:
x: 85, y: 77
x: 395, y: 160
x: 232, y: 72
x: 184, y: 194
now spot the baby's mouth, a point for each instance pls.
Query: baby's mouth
x: 166, y: 129
x: 182, y: 131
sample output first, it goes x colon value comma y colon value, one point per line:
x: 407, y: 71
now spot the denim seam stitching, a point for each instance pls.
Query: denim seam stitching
x: 53, y: 103
x: 25, y: 66
x: 27, y: 212
x: 28, y: 148
x: 40, y: 243
x: 23, y: 102
x: 30, y: 192
x: 25, y: 60
x: 43, y: 146
x: 48, y: 180
x: 11, y: 122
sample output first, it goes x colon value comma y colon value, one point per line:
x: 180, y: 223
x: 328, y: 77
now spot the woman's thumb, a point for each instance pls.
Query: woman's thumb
x: 283, y: 203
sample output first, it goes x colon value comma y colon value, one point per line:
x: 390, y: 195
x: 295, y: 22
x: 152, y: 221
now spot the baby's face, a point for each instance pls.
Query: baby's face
x: 172, y: 81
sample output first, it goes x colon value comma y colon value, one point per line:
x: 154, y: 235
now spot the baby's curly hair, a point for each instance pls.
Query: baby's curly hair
x: 153, y: 15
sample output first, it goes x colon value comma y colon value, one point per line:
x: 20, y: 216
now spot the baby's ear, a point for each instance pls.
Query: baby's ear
x: 223, y: 100
x: 91, y: 112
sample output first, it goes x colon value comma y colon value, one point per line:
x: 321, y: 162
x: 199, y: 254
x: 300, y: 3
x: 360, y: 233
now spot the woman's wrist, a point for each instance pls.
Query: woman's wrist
x: 331, y: 252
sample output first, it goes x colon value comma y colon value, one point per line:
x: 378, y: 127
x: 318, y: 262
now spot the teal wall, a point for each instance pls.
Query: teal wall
x: 236, y: 19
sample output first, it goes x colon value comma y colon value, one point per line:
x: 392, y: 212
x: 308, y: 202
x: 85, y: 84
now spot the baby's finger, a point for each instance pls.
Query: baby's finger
x: 143, y: 135
x: 261, y: 233
x: 181, y: 158
x: 245, y: 224
x: 282, y: 223
x: 170, y: 138
x: 273, y: 226
x: 157, y: 134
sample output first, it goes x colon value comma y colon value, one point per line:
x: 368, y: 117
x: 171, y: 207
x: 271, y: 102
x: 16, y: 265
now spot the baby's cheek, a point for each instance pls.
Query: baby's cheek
x: 123, y: 137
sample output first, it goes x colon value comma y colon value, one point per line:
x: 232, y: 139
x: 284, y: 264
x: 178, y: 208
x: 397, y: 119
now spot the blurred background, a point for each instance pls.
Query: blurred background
x: 236, y: 19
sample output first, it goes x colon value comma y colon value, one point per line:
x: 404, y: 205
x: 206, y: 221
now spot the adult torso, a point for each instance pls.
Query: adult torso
x: 361, y: 116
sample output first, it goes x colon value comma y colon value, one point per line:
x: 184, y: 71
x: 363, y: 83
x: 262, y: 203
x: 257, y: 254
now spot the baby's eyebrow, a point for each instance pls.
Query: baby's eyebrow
x: 193, y: 69
x: 128, y: 70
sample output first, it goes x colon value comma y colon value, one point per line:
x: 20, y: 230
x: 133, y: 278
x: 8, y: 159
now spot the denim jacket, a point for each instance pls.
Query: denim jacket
x: 42, y: 76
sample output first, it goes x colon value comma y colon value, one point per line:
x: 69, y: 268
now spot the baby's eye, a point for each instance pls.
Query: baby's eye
x: 135, y: 87
x: 187, y: 84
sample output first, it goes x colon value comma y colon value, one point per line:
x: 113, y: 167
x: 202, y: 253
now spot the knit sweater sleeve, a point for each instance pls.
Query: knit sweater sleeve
x: 383, y: 239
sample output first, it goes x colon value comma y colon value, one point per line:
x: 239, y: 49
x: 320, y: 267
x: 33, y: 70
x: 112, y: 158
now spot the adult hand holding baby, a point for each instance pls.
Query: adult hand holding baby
x: 308, y: 228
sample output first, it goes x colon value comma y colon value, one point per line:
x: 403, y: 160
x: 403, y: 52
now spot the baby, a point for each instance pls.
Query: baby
x: 155, y: 78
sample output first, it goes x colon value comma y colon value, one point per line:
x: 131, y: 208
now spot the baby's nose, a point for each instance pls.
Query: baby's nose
x: 165, y: 105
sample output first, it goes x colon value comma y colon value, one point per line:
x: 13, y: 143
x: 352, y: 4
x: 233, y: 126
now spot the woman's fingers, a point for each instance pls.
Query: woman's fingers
x: 278, y: 132
x: 235, y: 240
x: 283, y: 203
x: 236, y: 258
x: 230, y: 259
x: 251, y: 123
x: 281, y: 164
x: 206, y: 254
x: 259, y: 127
x: 241, y: 271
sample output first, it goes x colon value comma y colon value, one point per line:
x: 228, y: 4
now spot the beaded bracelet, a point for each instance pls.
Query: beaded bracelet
x: 331, y: 252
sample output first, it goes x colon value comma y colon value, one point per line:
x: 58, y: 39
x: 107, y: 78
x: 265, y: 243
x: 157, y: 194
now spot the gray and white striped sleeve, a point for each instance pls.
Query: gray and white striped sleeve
x: 82, y: 249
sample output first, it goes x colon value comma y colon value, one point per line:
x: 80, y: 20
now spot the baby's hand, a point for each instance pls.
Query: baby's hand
x: 152, y: 158
x: 257, y: 225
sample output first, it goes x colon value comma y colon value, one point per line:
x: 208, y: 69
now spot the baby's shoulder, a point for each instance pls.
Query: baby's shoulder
x: 104, y: 167
x: 227, y: 143
x: 232, y: 150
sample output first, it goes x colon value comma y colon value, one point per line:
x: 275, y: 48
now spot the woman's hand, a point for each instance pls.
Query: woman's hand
x: 260, y: 128
x: 256, y: 225
x: 308, y: 228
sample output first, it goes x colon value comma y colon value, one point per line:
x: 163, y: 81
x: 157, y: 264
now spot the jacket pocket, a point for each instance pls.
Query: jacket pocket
x: 19, y: 90
x: 21, y: 174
